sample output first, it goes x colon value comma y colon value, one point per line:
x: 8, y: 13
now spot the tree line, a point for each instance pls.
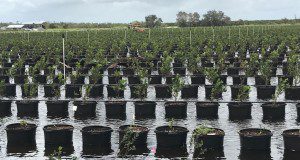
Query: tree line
x: 183, y: 19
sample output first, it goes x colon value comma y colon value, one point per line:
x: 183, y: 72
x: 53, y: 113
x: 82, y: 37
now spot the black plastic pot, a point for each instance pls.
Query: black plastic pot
x: 235, y: 92
x: 198, y: 79
x: 171, y: 137
x: 163, y: 91
x: 114, y: 80
x: 177, y: 64
x: 292, y: 93
x: 223, y: 78
x: 128, y: 71
x: 73, y: 91
x: 5, y: 108
x: 98, y: 81
x: 211, y: 141
x: 265, y: 92
x: 96, y: 91
x: 189, y: 91
x: 179, y: 71
x: 155, y: 79
x: 58, y: 135
x: 113, y: 93
x: 115, y: 109
x: 9, y: 90
x: 259, y: 80
x: 96, y: 140
x: 27, y: 108
x: 85, y: 109
x: 21, y: 138
x: 298, y: 111
x: 20, y: 79
x: 176, y: 109
x: 21, y: 134
x: 239, y: 110
x: 134, y: 80
x: 273, y: 111
x: 291, y: 139
x: 4, y: 78
x: 207, y: 64
x: 233, y: 71
x: 57, y: 109
x: 41, y: 79
x: 51, y: 90
x: 239, y: 80
x: 32, y: 88
x: 208, y: 89
x: 289, y: 79
x: 285, y: 68
x: 169, y: 79
x: 207, y: 110
x: 255, y: 139
x: 136, y: 135
x: 144, y: 109
x: 134, y: 92
x: 78, y: 80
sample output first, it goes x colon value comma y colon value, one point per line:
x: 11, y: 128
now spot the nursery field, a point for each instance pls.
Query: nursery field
x: 203, y: 93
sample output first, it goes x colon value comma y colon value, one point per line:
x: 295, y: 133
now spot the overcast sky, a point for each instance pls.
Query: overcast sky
x: 130, y: 10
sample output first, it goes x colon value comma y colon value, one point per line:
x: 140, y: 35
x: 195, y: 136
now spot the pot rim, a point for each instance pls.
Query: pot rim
x: 123, y: 127
x: 160, y: 129
x: 11, y: 126
x: 45, y: 128
x: 105, y: 129
x: 285, y: 133
x: 269, y: 133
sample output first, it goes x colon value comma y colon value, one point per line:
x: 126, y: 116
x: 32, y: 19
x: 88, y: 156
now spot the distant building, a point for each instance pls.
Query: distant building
x: 134, y: 25
x: 15, y: 27
x: 36, y: 26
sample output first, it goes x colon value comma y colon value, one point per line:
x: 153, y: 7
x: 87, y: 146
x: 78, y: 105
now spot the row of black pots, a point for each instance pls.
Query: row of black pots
x: 153, y: 79
x: 84, y: 109
x: 96, y: 140
x: 237, y: 110
x: 263, y: 92
x: 20, y: 79
x: 164, y: 91
x: 146, y: 109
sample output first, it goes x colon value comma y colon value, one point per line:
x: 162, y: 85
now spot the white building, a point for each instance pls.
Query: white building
x: 35, y: 26
x: 15, y: 27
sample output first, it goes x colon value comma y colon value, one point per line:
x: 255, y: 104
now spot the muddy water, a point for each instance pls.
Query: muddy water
x: 231, y: 128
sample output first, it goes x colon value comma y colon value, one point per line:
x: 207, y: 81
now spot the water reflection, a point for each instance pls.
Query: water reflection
x: 95, y: 151
x: 21, y: 150
x: 171, y: 153
x: 53, y: 149
x: 290, y: 155
x: 141, y: 150
x: 209, y: 154
x: 255, y: 155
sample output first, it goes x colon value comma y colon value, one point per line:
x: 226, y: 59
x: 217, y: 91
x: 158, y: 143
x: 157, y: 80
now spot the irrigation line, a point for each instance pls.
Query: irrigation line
x: 153, y: 85
x: 146, y: 100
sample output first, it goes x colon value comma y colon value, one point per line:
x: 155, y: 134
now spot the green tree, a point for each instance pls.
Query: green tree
x: 182, y: 19
x: 194, y: 19
x: 153, y: 21
x: 215, y: 18
x: 52, y: 26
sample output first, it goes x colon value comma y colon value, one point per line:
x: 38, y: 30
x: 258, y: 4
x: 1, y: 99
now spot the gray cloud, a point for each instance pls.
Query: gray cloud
x: 129, y: 10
